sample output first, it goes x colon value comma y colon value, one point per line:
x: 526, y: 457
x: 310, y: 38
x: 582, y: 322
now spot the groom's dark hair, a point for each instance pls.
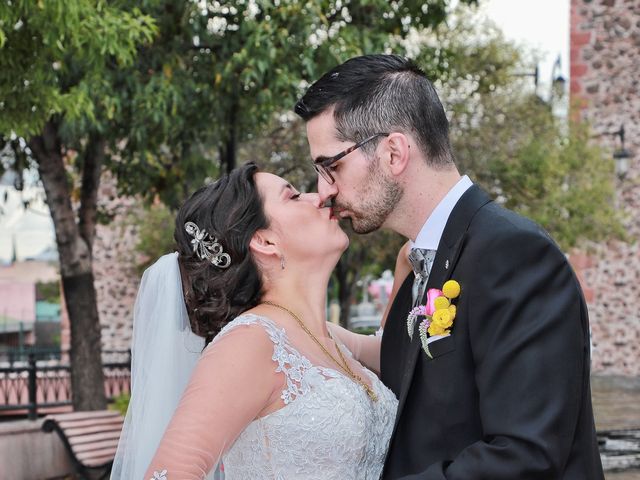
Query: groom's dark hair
x: 381, y: 93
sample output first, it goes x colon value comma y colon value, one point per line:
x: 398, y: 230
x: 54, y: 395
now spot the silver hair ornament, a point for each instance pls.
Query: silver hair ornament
x: 207, y: 247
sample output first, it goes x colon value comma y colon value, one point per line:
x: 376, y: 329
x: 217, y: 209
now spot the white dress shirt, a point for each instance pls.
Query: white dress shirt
x: 431, y: 231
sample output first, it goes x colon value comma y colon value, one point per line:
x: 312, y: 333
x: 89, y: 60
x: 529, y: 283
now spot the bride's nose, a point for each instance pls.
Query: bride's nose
x: 312, y: 198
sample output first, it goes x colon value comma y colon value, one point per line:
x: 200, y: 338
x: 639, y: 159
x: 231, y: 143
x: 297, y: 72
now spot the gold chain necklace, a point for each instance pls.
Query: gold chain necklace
x: 344, y: 365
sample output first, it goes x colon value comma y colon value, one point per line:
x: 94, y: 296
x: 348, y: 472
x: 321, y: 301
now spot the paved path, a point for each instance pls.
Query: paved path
x: 616, y: 403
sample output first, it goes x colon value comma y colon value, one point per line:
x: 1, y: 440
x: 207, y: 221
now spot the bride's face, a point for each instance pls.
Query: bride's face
x: 302, y: 227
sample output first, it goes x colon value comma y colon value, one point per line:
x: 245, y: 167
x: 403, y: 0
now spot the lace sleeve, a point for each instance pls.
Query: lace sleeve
x: 234, y: 380
x: 364, y: 348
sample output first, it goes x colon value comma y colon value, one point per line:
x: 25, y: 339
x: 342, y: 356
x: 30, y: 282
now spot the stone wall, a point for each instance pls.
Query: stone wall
x: 605, y: 83
x: 116, y: 277
x: 114, y: 267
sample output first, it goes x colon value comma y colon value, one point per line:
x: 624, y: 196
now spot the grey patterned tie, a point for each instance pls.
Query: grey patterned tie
x: 421, y: 260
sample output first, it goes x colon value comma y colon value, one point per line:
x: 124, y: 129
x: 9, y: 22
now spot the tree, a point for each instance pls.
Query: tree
x: 219, y: 70
x: 508, y: 139
x: 554, y: 175
x: 53, y: 54
x: 150, y: 89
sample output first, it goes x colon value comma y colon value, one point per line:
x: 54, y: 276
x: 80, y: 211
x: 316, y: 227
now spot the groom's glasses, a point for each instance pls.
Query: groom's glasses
x: 322, y: 165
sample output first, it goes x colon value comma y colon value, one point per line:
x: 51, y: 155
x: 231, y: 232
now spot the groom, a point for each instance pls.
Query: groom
x: 506, y: 395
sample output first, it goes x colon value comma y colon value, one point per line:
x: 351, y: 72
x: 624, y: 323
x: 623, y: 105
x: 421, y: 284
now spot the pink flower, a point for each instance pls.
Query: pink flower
x: 432, y: 294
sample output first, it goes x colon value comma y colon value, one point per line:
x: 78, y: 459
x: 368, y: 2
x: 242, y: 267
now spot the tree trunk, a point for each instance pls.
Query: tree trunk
x: 228, y: 155
x: 93, y: 160
x: 87, y: 378
x: 345, y: 289
x: 347, y: 275
x: 229, y: 148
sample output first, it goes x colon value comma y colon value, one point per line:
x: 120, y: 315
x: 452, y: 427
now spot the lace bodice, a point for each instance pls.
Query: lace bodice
x: 325, y: 425
x: 328, y: 429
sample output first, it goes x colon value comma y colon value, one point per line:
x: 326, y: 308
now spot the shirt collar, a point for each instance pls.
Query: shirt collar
x: 431, y: 232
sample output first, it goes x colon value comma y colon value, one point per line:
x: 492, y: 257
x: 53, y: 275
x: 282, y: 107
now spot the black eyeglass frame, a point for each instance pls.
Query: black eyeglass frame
x: 322, y: 166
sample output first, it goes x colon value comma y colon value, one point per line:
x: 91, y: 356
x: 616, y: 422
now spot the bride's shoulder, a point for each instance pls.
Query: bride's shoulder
x: 252, y: 319
x: 250, y: 326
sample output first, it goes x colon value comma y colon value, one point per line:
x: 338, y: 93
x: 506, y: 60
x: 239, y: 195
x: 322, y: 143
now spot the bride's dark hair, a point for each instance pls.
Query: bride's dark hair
x: 230, y: 210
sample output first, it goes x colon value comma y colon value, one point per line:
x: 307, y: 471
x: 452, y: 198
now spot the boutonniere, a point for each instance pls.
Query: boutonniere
x: 438, y: 314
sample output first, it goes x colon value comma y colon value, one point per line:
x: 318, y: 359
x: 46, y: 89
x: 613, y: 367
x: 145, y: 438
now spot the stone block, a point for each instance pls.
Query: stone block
x: 28, y: 453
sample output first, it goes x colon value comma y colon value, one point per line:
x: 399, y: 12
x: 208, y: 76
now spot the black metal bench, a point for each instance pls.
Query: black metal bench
x: 91, y: 438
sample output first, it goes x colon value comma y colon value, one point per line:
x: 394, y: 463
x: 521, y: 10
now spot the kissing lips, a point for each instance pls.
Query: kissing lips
x: 339, y: 212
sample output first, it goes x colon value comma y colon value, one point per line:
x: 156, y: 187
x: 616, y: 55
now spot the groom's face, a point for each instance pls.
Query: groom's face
x: 361, y: 191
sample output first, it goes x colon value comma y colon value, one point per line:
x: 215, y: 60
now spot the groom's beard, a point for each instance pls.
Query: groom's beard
x: 380, y: 196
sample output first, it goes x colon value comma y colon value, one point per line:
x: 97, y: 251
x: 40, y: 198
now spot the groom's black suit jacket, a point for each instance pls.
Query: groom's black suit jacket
x: 507, y: 394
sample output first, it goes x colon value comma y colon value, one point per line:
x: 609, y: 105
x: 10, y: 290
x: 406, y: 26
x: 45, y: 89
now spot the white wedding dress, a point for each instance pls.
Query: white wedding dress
x: 328, y: 428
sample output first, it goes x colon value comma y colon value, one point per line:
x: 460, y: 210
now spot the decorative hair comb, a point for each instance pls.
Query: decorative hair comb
x: 207, y: 247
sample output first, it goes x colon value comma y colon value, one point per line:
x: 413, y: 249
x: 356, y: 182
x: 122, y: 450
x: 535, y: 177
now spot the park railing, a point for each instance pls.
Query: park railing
x: 31, y: 386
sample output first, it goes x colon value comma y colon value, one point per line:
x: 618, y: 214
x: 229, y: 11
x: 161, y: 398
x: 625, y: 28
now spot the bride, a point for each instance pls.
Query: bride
x: 275, y: 393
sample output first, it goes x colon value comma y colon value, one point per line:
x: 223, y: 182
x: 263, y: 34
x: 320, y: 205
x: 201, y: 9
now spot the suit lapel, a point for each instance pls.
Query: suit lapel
x: 451, y: 244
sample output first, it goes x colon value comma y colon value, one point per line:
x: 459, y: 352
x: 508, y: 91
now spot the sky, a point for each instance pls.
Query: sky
x: 539, y: 24
x: 31, y: 230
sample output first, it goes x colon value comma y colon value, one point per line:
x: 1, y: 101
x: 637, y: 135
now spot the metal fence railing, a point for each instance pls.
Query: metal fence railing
x: 34, y: 384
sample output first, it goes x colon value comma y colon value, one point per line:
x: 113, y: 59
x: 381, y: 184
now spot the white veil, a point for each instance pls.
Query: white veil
x: 164, y: 353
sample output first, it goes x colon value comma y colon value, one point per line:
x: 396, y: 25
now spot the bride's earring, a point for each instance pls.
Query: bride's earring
x: 282, y: 262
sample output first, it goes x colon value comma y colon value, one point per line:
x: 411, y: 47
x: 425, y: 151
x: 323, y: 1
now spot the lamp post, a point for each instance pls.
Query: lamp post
x: 621, y: 155
x: 558, y: 82
x: 535, y: 74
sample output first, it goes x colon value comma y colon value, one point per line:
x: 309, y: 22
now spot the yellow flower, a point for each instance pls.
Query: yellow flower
x: 453, y: 310
x: 451, y: 289
x: 441, y: 303
x: 442, y: 318
x: 437, y: 330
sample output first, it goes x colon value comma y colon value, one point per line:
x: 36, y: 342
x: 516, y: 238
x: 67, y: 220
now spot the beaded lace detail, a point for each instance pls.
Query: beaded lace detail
x: 329, y: 428
x: 159, y: 475
x: 289, y: 361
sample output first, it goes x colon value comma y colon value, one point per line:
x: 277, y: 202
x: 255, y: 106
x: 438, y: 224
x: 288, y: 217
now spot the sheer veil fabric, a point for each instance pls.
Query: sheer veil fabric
x: 164, y: 353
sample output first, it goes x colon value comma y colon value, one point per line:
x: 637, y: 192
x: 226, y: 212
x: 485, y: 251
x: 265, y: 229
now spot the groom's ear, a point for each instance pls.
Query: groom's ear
x: 263, y: 244
x: 399, y: 149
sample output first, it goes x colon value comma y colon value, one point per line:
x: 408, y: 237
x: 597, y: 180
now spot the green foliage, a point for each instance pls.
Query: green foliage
x: 121, y: 403
x: 176, y: 86
x: 565, y: 182
x: 162, y: 88
x: 54, y: 53
x: 218, y: 71
x: 365, y: 330
x: 508, y: 140
x: 155, y: 233
x: 48, y: 291
x: 537, y: 165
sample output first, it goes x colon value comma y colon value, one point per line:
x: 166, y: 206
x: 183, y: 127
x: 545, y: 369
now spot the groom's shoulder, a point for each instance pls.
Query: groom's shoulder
x: 495, y: 223
x: 487, y: 215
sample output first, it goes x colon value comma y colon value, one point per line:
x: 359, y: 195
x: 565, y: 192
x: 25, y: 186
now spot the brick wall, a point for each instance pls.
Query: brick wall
x: 605, y: 83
